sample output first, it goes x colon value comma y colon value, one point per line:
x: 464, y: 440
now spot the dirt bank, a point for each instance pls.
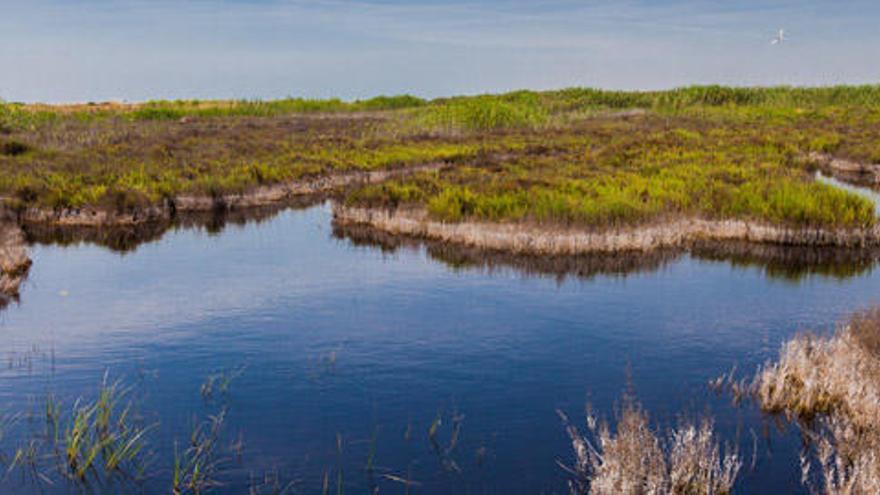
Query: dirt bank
x: 275, y: 194
x: 545, y: 240
x: 857, y: 173
x: 14, y: 261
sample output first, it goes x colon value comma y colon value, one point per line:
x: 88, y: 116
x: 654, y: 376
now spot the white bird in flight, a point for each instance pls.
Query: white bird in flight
x: 779, y: 39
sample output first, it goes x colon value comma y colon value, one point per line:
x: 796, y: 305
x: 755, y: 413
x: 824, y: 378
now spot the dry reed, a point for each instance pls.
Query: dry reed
x: 637, y: 460
x: 14, y: 261
x: 830, y: 385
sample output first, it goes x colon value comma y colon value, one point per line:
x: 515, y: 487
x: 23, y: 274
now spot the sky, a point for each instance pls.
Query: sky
x: 133, y: 50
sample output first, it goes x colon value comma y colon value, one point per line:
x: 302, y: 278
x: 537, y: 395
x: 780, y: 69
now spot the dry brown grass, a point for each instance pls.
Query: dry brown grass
x: 635, y: 459
x: 864, y: 329
x: 848, y: 457
x: 14, y: 261
x: 831, y: 387
x: 818, y: 375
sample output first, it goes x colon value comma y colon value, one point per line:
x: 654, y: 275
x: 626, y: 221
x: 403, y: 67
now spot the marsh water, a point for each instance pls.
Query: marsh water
x: 341, y: 352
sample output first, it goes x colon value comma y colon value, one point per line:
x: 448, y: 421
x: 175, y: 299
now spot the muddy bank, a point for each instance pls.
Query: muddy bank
x: 545, y: 240
x: 857, y: 173
x: 270, y: 195
x: 14, y: 261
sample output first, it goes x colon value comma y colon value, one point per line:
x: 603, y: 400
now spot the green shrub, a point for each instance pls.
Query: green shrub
x: 482, y: 114
x: 826, y: 143
x: 453, y: 204
x: 389, y: 102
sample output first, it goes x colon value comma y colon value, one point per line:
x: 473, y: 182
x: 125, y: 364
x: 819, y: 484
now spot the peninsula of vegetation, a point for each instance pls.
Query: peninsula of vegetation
x: 558, y: 172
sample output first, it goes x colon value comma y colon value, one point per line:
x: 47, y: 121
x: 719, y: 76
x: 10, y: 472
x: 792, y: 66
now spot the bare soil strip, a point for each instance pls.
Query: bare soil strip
x: 858, y: 173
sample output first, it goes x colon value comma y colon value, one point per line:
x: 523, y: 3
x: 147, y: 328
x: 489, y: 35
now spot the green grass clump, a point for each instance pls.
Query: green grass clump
x: 483, y: 113
x: 573, y: 98
x: 779, y: 97
x: 97, y: 443
x: 101, y: 445
x: 389, y: 102
x: 15, y: 117
x: 101, y: 430
x: 195, y: 468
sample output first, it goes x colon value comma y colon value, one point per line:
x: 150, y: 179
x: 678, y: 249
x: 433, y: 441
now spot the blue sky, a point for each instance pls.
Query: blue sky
x: 90, y: 50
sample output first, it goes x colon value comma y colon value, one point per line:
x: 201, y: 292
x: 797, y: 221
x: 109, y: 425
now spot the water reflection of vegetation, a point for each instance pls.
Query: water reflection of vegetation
x: 127, y: 238
x: 781, y: 262
x: 471, y: 258
x: 790, y: 263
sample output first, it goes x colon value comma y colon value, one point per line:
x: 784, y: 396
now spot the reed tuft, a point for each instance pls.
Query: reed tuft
x: 637, y: 460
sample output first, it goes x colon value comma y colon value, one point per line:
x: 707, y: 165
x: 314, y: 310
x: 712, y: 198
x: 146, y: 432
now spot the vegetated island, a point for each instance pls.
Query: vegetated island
x: 556, y: 172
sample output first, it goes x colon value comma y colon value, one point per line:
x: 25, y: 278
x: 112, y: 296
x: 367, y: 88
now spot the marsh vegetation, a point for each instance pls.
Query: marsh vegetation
x: 572, y: 157
x: 708, y: 152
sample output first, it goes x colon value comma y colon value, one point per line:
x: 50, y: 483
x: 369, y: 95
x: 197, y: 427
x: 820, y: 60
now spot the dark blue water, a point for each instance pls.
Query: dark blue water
x: 342, y: 350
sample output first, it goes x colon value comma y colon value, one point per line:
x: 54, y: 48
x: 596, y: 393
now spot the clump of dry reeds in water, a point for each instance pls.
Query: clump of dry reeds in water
x: 14, y: 262
x: 637, y: 460
x: 831, y: 387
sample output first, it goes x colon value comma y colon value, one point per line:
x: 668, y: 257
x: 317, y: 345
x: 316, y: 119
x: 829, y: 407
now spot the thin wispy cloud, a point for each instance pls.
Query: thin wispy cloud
x: 98, y: 49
